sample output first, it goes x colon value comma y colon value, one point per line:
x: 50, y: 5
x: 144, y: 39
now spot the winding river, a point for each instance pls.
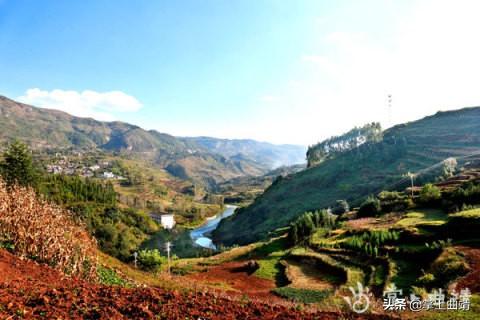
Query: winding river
x: 200, y: 234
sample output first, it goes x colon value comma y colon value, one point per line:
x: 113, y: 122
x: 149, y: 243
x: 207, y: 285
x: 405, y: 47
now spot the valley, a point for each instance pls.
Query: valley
x: 388, y: 210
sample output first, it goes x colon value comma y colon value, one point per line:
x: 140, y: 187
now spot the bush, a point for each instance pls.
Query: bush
x: 340, y: 207
x: 45, y: 232
x: 449, y: 266
x: 430, y: 194
x: 151, y: 259
x: 110, y: 277
x: 394, y: 201
x: 370, y: 207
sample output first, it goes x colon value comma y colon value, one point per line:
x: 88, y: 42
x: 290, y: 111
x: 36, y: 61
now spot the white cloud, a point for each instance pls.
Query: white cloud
x: 427, y: 58
x: 88, y: 103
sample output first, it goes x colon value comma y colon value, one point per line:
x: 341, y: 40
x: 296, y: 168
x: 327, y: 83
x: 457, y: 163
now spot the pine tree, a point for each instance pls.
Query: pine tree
x: 17, y: 165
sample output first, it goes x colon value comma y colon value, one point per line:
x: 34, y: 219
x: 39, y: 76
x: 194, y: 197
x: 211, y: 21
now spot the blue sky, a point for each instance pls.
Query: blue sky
x: 279, y: 71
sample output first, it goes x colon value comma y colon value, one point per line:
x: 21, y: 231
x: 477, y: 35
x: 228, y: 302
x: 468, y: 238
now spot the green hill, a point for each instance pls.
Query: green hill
x: 207, y: 161
x: 356, y: 173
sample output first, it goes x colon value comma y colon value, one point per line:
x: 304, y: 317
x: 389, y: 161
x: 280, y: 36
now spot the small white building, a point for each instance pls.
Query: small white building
x: 167, y: 221
x: 108, y: 175
x: 95, y: 167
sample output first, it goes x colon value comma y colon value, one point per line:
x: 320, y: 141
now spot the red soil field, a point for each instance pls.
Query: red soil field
x: 32, y: 291
x: 472, y: 279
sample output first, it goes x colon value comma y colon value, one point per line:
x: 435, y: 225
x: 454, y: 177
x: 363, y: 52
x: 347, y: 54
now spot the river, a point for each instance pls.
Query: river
x: 200, y: 234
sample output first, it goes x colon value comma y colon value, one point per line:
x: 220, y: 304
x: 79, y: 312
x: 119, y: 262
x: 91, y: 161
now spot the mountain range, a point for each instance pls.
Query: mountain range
x: 204, y: 160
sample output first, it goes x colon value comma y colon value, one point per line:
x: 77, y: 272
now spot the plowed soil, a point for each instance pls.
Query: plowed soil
x: 472, y: 279
x: 237, y: 282
x: 32, y: 291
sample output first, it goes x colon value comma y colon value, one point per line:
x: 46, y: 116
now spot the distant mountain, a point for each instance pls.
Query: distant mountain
x: 354, y: 173
x: 267, y: 154
x: 186, y: 158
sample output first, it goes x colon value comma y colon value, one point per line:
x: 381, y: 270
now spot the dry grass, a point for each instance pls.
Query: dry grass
x: 45, y: 232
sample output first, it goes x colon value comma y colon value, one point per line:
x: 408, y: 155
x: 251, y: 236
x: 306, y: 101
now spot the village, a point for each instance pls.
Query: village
x: 81, y: 166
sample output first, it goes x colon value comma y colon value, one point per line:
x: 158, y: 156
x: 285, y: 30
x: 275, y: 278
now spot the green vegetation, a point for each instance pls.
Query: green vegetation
x: 328, y: 149
x: 430, y: 194
x: 433, y: 217
x: 151, y: 260
x: 369, y: 242
x: 109, y: 277
x: 302, y: 295
x: 17, y: 165
x: 370, y: 207
x: 447, y: 267
x: 68, y: 190
x: 304, y: 227
x: 353, y: 175
x: 269, y: 256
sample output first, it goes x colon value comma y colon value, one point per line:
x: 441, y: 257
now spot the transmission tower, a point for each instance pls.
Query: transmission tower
x: 389, y: 108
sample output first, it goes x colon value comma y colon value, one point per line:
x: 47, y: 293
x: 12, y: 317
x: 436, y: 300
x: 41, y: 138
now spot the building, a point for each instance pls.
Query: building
x: 95, y: 167
x: 108, y: 175
x: 167, y: 221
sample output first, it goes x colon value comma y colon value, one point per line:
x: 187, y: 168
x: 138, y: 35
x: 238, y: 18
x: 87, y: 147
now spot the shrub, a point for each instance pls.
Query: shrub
x: 341, y: 206
x: 394, y: 201
x: 370, y: 207
x: 449, y: 266
x: 110, y: 277
x: 151, y: 260
x: 430, y: 194
x: 45, y: 232
x: 427, y: 279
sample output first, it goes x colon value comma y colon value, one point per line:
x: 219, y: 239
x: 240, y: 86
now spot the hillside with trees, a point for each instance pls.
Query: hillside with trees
x: 187, y: 158
x: 354, y: 174
x: 333, y: 146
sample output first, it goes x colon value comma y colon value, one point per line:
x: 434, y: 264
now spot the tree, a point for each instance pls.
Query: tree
x: 151, y: 260
x: 340, y: 207
x: 17, y: 165
x: 430, y: 193
x: 370, y: 207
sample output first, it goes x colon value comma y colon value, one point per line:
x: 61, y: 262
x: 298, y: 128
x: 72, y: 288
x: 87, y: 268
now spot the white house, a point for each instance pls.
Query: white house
x: 167, y: 221
x: 108, y: 175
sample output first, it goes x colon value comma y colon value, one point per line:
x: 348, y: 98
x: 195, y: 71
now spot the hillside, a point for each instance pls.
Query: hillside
x: 356, y: 173
x: 186, y: 158
x: 262, y: 152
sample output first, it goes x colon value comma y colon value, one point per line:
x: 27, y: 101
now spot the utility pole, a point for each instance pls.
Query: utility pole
x: 411, y: 175
x: 168, y: 246
x: 389, y: 109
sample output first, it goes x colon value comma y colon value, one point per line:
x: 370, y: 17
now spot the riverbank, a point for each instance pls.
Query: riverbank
x: 200, y: 235
x: 184, y: 245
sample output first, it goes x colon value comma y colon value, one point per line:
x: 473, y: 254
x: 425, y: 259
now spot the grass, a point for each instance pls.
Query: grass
x: 109, y: 277
x: 470, y: 214
x: 268, y: 257
x: 406, y: 273
x: 270, y: 267
x: 134, y: 275
x: 302, y: 295
x: 429, y: 217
